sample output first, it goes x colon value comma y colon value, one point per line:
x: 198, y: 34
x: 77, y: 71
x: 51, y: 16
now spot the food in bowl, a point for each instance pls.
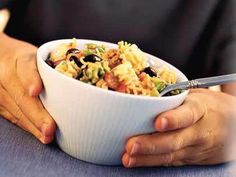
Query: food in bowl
x: 123, y: 69
x: 94, y: 124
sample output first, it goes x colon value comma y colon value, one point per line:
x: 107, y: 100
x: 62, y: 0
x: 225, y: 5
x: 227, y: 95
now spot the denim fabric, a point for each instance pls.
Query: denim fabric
x: 21, y: 155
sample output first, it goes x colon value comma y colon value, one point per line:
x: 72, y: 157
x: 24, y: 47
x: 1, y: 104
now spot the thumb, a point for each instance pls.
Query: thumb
x: 183, y: 116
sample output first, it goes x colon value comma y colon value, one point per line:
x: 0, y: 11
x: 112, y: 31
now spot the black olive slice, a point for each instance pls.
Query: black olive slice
x: 50, y: 62
x: 150, y: 71
x: 76, y: 60
x: 92, y: 58
x: 79, y: 76
x: 72, y: 50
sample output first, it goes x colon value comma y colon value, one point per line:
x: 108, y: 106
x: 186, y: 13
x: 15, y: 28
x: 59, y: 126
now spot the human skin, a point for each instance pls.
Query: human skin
x: 20, y: 85
x: 200, y: 131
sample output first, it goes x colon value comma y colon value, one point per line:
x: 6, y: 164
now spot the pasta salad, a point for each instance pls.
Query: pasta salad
x: 123, y: 69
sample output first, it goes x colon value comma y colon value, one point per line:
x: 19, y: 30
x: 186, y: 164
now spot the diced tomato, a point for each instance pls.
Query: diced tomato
x: 121, y: 87
x: 142, y: 76
x: 111, y: 80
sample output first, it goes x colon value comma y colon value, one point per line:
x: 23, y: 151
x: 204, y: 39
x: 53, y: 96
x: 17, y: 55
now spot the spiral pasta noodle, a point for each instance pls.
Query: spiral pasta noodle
x: 68, y: 68
x: 167, y: 75
x: 93, y: 72
x: 125, y: 73
x: 134, y: 55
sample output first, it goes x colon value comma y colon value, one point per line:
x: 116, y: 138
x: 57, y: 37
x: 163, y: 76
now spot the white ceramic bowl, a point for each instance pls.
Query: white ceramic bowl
x: 94, y: 124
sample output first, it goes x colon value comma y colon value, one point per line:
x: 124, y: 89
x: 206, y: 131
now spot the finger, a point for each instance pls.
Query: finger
x: 8, y: 116
x: 159, y: 143
x: 184, y: 116
x: 186, y: 156
x: 3, y: 112
x: 13, y: 113
x: 28, y: 74
x: 150, y: 160
x: 24, y: 124
x: 31, y: 107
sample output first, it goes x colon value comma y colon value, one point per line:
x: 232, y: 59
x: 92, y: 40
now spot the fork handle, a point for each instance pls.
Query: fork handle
x: 211, y: 81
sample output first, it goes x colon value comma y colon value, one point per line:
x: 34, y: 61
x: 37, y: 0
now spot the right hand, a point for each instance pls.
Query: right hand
x: 201, y: 131
x: 20, y: 85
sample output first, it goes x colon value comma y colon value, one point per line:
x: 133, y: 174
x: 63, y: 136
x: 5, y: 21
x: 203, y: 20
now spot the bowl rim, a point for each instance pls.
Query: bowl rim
x: 46, y: 45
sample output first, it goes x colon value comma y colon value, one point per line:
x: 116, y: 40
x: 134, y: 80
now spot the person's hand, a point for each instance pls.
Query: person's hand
x: 20, y: 85
x: 202, y: 131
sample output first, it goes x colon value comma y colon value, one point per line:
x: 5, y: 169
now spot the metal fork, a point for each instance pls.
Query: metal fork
x: 200, y: 83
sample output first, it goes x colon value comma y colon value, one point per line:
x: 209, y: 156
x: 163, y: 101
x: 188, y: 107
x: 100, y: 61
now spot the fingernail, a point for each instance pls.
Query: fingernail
x: 44, y: 129
x: 135, y: 149
x: 164, y: 123
x: 42, y: 139
x: 131, y: 162
x: 46, y: 139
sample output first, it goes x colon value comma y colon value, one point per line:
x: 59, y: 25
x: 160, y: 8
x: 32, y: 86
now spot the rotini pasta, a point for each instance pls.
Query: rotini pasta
x: 59, y: 53
x: 123, y: 69
x: 167, y: 75
x: 134, y: 55
x: 68, y: 68
x: 92, y: 72
x: 124, y: 72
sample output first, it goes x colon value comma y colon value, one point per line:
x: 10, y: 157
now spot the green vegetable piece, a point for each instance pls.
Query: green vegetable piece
x: 154, y: 92
x: 159, y: 83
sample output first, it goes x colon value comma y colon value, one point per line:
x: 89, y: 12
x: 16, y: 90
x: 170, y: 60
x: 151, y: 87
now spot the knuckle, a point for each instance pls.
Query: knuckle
x: 192, y: 112
x: 147, y: 144
x: 177, y: 143
x: 178, y: 124
x: 202, y: 140
x: 192, y: 116
x: 15, y: 120
x: 196, y: 109
x: 19, y: 121
x: 210, y: 138
x: 174, y: 119
x: 20, y: 98
x: 207, y: 140
x: 168, y: 159
x: 18, y: 113
x: 152, y: 148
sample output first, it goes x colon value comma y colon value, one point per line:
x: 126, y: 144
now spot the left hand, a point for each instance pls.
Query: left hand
x: 199, y: 132
x: 20, y: 86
